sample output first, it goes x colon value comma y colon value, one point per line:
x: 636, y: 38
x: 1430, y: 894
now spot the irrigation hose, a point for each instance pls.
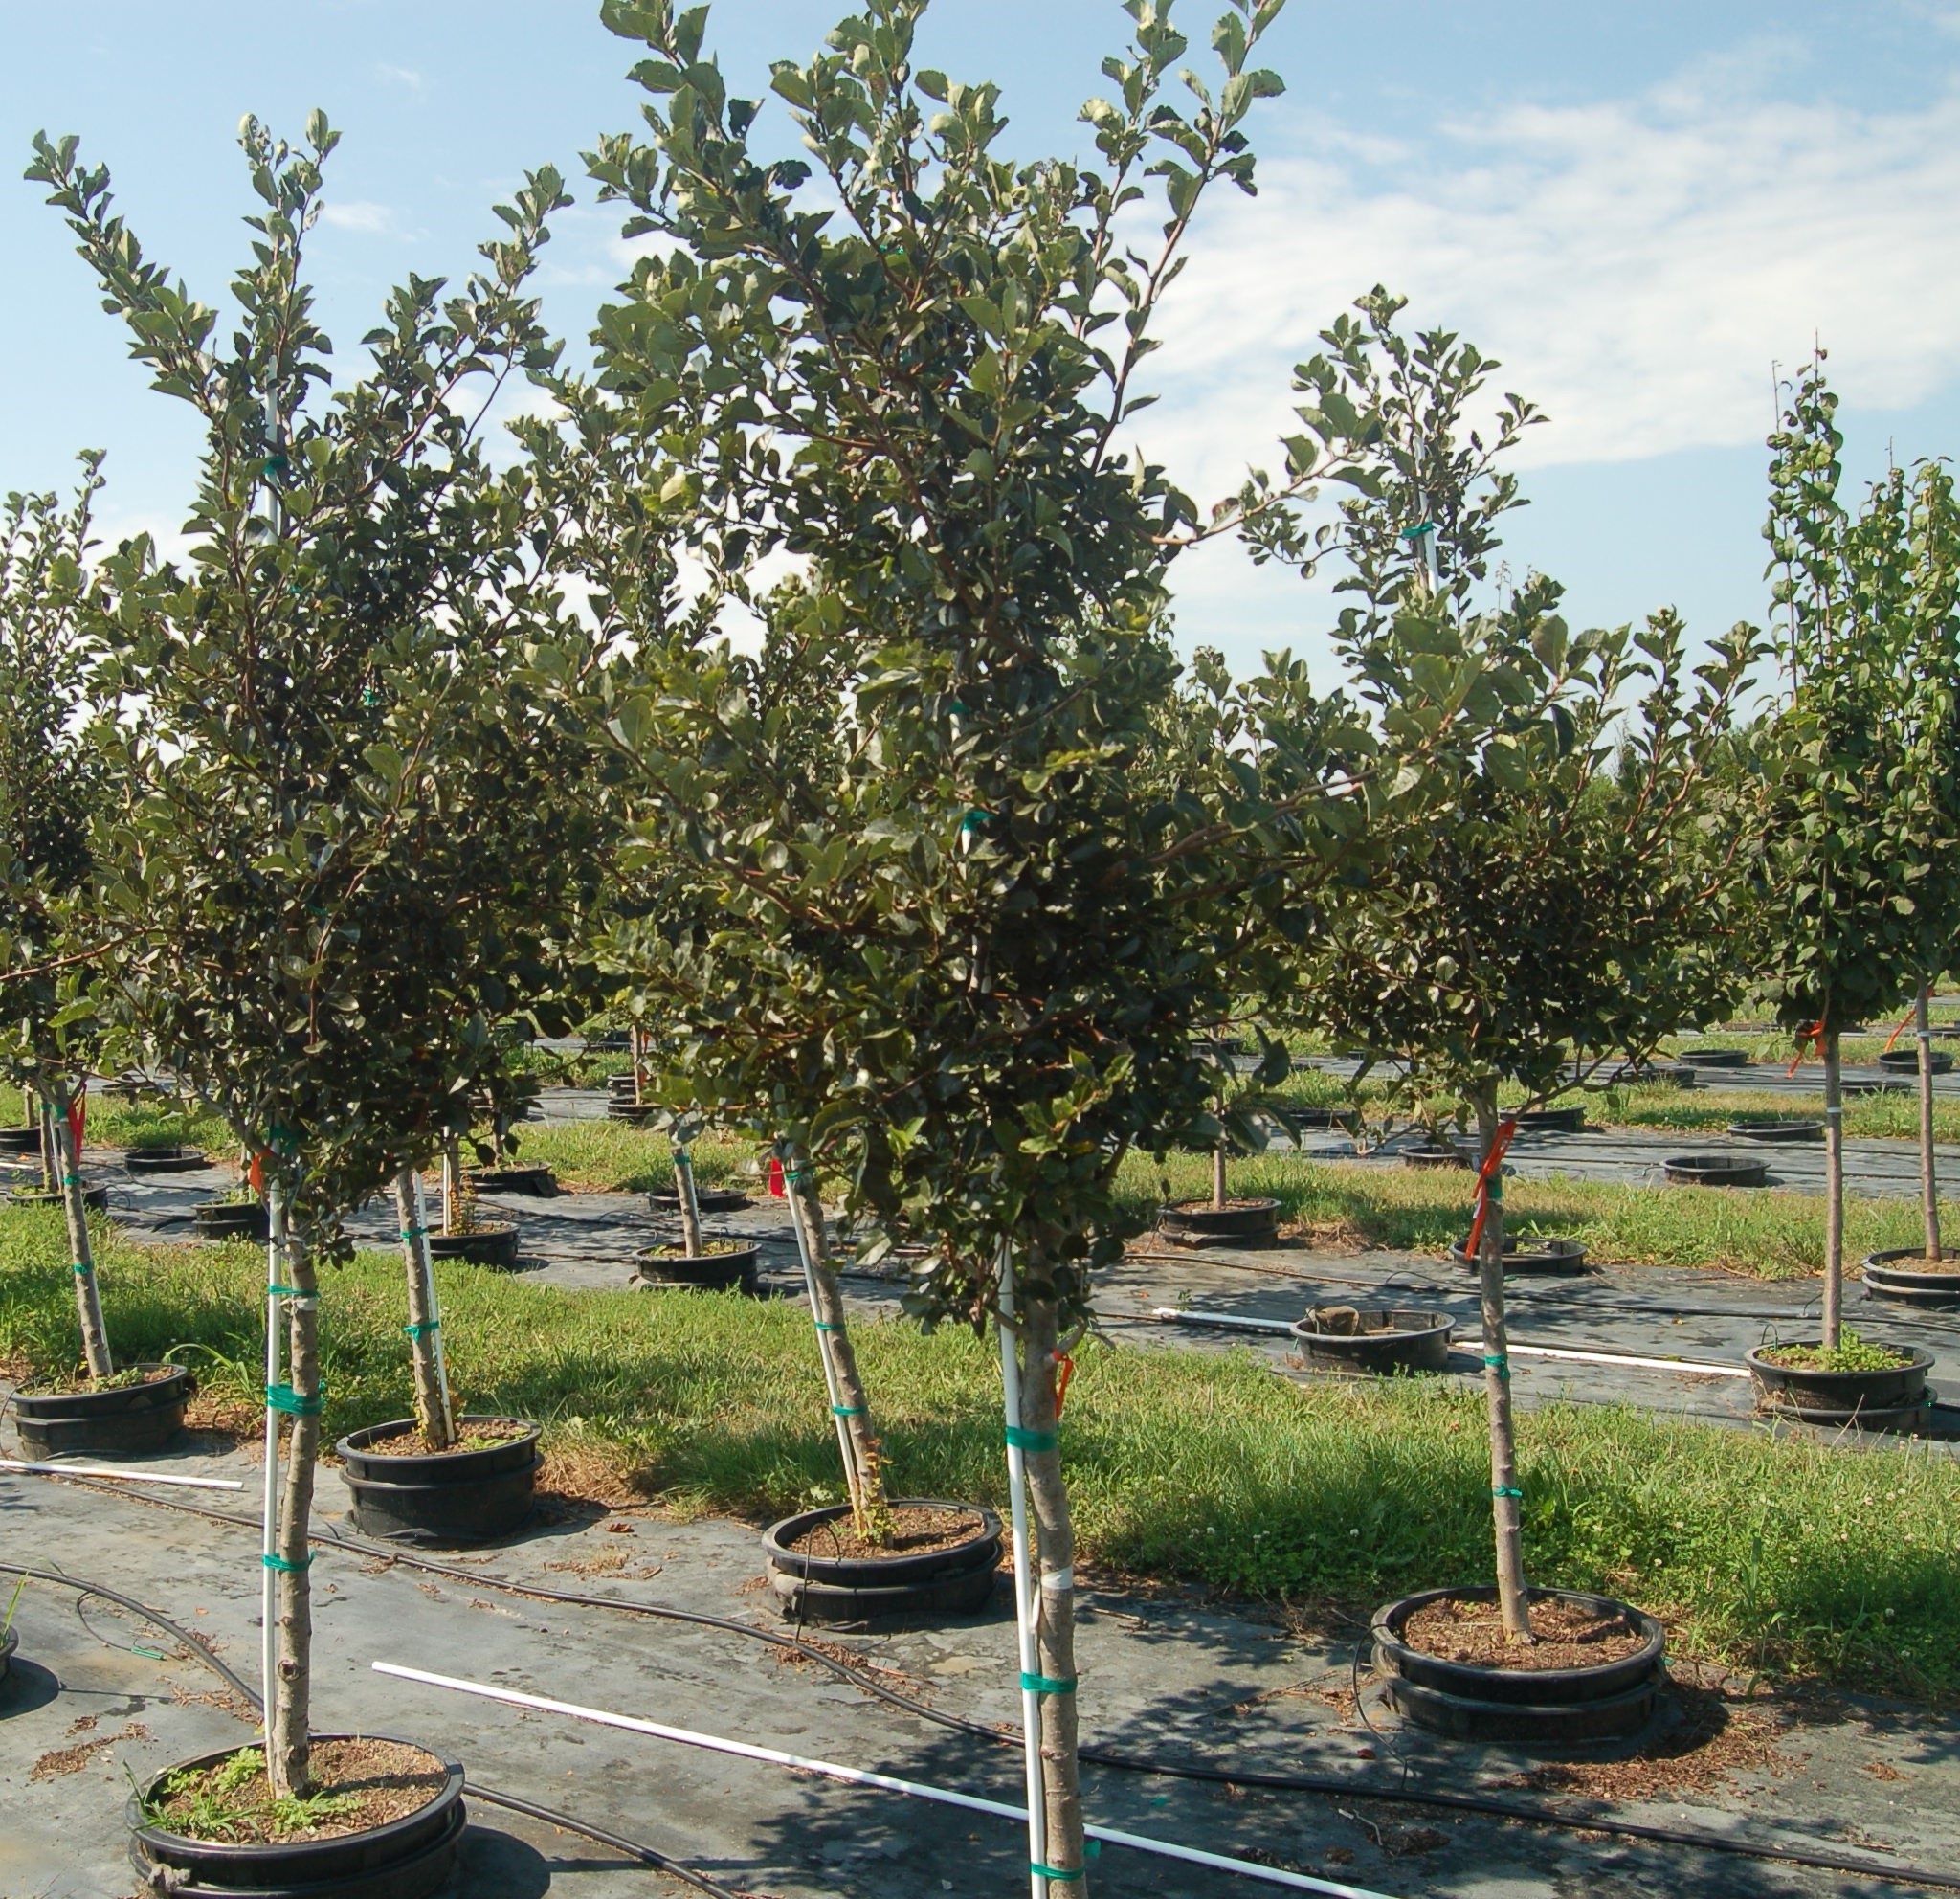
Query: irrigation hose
x: 650, y: 1856
x: 1346, y: 1787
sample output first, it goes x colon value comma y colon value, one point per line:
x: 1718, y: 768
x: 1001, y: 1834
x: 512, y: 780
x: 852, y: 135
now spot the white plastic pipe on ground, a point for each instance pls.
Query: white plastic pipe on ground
x: 859, y: 1777
x: 127, y: 1476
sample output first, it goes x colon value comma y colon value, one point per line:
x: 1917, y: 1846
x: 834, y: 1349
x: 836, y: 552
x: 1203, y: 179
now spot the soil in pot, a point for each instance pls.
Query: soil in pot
x: 1906, y: 1061
x: 358, y: 1784
x: 1380, y: 1339
x: 472, y: 1433
x: 1910, y: 1278
x: 1715, y: 1170
x: 1570, y: 1634
x: 138, y: 1409
x: 166, y: 1160
x: 1770, y: 1127
x: 728, y: 1264
x: 918, y: 1530
x: 491, y: 1243
x: 232, y: 1219
x: 1250, y: 1222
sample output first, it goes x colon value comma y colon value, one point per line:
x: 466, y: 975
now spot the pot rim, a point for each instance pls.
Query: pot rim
x: 1390, y: 1616
x: 1921, y: 1360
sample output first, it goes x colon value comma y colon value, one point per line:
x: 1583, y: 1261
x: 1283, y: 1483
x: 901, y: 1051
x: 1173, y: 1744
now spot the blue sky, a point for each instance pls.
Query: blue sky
x: 1636, y: 207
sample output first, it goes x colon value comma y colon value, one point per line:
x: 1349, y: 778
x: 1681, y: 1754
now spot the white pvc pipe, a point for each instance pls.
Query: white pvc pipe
x: 1026, y: 1603
x: 1235, y: 1322
x: 268, y: 1589
x: 130, y: 1476
x: 859, y: 1777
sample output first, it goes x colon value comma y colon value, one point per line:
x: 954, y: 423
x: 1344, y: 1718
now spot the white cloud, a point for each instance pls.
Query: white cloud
x: 399, y: 76
x: 376, y: 220
x: 1636, y: 264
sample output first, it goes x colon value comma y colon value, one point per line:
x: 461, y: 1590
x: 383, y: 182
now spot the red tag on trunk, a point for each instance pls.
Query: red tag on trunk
x: 776, y: 1186
x: 77, y: 1112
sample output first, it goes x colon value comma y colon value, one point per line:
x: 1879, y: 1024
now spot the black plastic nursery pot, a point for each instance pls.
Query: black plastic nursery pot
x: 462, y: 1496
x: 1237, y: 1224
x: 1715, y: 1170
x: 1883, y: 1400
x: 232, y: 1219
x: 1316, y: 1120
x: 1649, y: 1074
x: 1533, y: 1708
x: 492, y: 1245
x: 809, y: 1586
x: 1904, y: 1277
x: 612, y: 1041
x: 1770, y: 1129
x: 668, y: 1268
x: 405, y: 1859
x: 1556, y: 1254
x: 166, y: 1160
x: 124, y: 1420
x: 20, y: 1140
x: 1906, y: 1061
x: 1553, y: 1120
x: 635, y: 1114
x: 1434, y: 1154
x: 95, y: 1199
x: 540, y: 1182
x: 1380, y: 1340
x: 706, y: 1199
x: 1715, y: 1058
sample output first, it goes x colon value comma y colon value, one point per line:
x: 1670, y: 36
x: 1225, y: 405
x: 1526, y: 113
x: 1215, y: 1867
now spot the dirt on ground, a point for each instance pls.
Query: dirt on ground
x: 916, y: 1530
x: 1473, y: 1633
x: 59, y: 1762
x: 378, y: 1781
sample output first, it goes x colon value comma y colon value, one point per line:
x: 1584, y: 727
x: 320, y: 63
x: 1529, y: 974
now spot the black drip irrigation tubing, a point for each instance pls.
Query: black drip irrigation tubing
x: 649, y: 1856
x: 1487, y: 1805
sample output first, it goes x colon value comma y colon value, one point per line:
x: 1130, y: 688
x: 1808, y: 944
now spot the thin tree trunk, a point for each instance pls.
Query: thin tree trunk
x: 433, y: 1411
x: 1055, y: 1552
x: 1929, y: 1169
x: 1833, y: 1192
x: 864, y: 1469
x: 1514, y: 1602
x: 50, y: 1166
x: 689, y: 1201
x: 289, y: 1725
x: 1218, y: 1175
x: 451, y: 1183
x: 88, y: 1303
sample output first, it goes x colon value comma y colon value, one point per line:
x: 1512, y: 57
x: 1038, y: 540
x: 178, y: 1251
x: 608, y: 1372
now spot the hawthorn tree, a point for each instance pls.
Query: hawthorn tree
x: 1565, y: 881
x: 52, y: 786
x: 342, y: 839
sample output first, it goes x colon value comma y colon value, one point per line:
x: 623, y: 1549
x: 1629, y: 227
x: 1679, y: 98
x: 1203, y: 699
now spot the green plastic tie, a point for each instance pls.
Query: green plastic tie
x: 1420, y: 529
x: 295, y: 1404
x: 1047, y: 1684
x: 288, y: 1292
x: 847, y: 1411
x: 1036, y: 1441
x: 71, y: 1180
x: 1040, y: 1871
x: 422, y: 1328
x: 154, y: 1654
x: 415, y: 1232
x: 824, y: 1325
x: 82, y: 1268
x: 681, y: 1158
x: 283, y: 1139
x: 285, y: 1568
x: 1506, y: 1490
x: 975, y: 819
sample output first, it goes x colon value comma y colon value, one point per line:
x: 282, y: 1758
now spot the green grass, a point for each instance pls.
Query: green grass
x: 1188, y: 1466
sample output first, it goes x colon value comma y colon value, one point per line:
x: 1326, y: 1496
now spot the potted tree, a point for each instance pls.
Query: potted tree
x: 52, y: 787
x: 993, y: 955
x: 319, y: 955
x: 1556, y: 889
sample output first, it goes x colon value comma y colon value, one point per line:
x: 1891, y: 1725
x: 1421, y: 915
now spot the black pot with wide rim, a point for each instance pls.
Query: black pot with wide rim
x: 706, y: 1200
x: 1882, y: 1400
x: 664, y: 1269
x: 95, y: 1199
x: 403, y: 1859
x: 1553, y: 1254
x: 539, y: 1182
x: 124, y: 1420
x: 1552, y: 1121
x: 1705, y: 1059
x: 232, y: 1219
x: 1775, y: 1130
x: 1651, y: 1073
x: 635, y: 1114
x: 1533, y: 1708
x: 1237, y: 1224
x: 1434, y: 1154
x: 1904, y: 1277
x: 20, y: 1140
x: 495, y: 1243
x: 808, y: 1587
x: 1376, y: 1340
x: 166, y: 1160
x: 1297, y: 1121
x: 460, y: 1496
x: 1906, y: 1061
x: 1715, y: 1170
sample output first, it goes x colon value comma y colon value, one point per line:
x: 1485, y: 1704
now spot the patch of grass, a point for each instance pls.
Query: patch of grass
x: 212, y: 1804
x: 1183, y: 1466
x: 611, y: 1157
x: 116, y: 1123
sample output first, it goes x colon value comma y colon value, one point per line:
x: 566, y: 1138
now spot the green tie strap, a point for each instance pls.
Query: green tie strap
x: 422, y: 1328
x: 1034, y: 1441
x: 1506, y: 1490
x: 415, y: 1232
x: 1040, y: 1871
x: 1498, y: 1363
x: 82, y: 1268
x: 296, y: 1404
x: 1047, y: 1684
x: 285, y: 1568
x: 847, y: 1411
x: 823, y: 1326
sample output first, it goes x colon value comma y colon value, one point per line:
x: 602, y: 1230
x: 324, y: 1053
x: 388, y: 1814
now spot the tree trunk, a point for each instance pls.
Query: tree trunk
x: 1218, y: 1175
x: 433, y: 1410
x: 864, y: 1461
x: 288, y: 1721
x: 1055, y: 1552
x: 1929, y: 1169
x: 1833, y: 1192
x: 690, y: 1201
x: 450, y: 1184
x: 88, y: 1303
x: 1514, y: 1602
x: 51, y: 1153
